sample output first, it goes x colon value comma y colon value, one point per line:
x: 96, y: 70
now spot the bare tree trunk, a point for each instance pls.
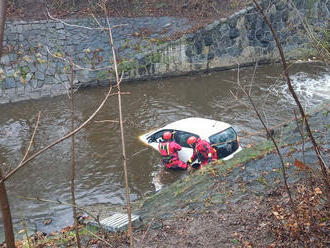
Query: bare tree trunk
x: 73, y: 162
x: 3, y: 8
x: 6, y: 215
x: 128, y: 204
x: 301, y: 109
x: 5, y: 207
x: 277, y: 150
x: 248, y: 94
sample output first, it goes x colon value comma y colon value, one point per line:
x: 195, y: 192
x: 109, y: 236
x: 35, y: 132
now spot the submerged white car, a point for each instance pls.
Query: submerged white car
x: 220, y: 135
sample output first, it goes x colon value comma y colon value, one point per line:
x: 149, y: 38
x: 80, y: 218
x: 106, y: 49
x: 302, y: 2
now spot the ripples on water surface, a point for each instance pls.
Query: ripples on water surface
x: 99, y: 177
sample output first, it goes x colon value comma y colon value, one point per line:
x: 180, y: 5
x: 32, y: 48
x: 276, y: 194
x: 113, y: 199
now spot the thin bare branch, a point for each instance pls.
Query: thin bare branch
x: 59, y: 140
x: 79, y: 26
x: 232, y: 93
x: 321, y: 50
x: 322, y: 164
x: 308, y: 174
x: 247, y: 93
x: 97, y: 21
x: 146, y: 232
x: 253, y: 76
x: 98, y: 237
x: 26, y: 231
x: 138, y: 152
x: 121, y: 92
x: 32, y: 139
x: 107, y: 121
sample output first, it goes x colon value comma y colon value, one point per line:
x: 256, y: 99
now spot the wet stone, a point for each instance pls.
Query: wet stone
x: 234, y: 33
x: 59, y: 25
x: 10, y: 83
x: 5, y: 59
x: 40, y: 83
x: 39, y: 75
x: 156, y: 225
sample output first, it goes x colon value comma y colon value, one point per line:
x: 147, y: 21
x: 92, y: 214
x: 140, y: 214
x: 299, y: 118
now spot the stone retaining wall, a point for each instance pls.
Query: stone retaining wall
x: 243, y: 38
x: 31, y: 66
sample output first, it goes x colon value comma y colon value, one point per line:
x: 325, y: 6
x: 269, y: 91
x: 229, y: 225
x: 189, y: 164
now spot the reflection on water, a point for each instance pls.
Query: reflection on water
x: 99, y: 177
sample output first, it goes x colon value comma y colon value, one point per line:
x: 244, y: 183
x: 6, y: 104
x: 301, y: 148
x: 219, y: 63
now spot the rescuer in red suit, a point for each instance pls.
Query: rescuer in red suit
x: 203, y: 151
x: 168, y: 149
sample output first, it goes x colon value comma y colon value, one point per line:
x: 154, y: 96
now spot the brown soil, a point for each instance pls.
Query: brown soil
x: 201, y: 10
x: 250, y: 222
x: 240, y: 224
x: 198, y: 12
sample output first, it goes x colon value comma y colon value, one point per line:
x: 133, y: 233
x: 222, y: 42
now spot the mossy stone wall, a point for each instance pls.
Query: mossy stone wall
x: 28, y: 68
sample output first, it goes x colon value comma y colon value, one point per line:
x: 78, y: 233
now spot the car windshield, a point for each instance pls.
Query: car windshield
x: 223, y: 137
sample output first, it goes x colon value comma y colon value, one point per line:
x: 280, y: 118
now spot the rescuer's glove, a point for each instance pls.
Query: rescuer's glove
x: 195, y: 165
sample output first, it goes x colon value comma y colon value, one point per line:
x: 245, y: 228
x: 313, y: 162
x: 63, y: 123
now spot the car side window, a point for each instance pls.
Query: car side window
x: 181, y: 137
x: 157, y: 137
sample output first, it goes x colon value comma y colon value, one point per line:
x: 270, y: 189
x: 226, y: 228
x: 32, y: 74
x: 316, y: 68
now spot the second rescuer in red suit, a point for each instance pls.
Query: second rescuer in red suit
x: 203, y: 151
x: 169, y: 151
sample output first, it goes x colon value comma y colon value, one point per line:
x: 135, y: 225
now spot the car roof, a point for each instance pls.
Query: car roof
x: 201, y: 126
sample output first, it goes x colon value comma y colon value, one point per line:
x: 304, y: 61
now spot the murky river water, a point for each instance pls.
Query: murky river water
x: 99, y: 177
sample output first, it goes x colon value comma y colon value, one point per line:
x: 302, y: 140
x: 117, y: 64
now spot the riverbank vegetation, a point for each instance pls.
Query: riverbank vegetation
x: 192, y: 9
x: 221, y: 204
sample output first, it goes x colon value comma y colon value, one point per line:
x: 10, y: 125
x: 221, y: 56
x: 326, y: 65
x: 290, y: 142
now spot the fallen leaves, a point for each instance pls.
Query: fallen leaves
x: 318, y: 191
x: 300, y: 165
x: 48, y: 221
x: 67, y: 229
x: 277, y: 215
x: 307, y: 223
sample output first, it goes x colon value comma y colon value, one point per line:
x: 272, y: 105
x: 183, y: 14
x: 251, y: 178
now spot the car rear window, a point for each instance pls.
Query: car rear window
x: 225, y: 136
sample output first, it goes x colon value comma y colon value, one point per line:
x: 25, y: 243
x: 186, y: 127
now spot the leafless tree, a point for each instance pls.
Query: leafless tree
x: 247, y: 93
x: 73, y: 163
x: 322, y: 51
x: 5, y: 207
x: 323, y: 167
x: 6, y: 215
x: 118, y: 80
